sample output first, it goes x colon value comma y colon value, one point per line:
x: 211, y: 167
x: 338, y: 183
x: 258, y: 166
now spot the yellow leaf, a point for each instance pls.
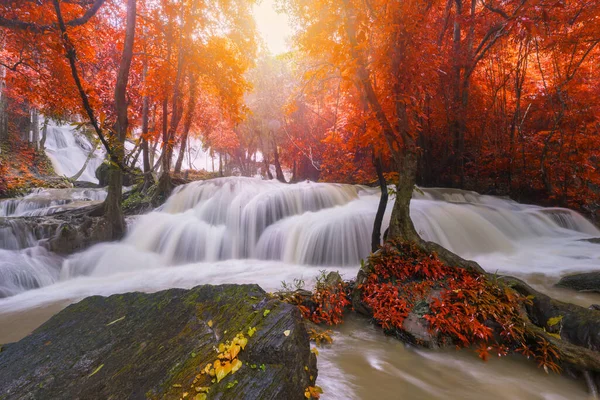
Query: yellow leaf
x: 177, y: 385
x: 554, y: 320
x: 266, y: 312
x: 234, y: 351
x: 210, y: 324
x: 251, y: 331
x: 200, y: 396
x: 202, y: 389
x: 185, y: 394
x: 243, y: 342
x: 222, y: 371
x: 286, y: 333
x: 556, y: 335
x: 116, y: 320
x: 221, y: 347
x: 96, y: 370
x: 314, y: 351
x: 237, y: 364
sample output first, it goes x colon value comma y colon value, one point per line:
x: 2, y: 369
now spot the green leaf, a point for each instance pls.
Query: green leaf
x: 266, y: 312
x: 96, y: 370
x: 555, y: 335
x: 115, y: 321
x: 231, y: 384
x: 263, y: 367
x: 554, y: 320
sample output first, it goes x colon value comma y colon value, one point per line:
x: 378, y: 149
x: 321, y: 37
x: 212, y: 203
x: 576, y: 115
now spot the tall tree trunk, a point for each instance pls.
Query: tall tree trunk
x: 85, y: 164
x: 3, y: 107
x: 187, y: 123
x: 278, y: 170
x: 112, y: 204
x: 376, y: 235
x: 144, y: 144
x: 44, y: 134
x: 35, y: 129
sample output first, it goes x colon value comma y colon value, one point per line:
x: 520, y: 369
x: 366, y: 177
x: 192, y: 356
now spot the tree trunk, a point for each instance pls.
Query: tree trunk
x: 187, y: 123
x: 44, y: 134
x: 145, y: 153
x: 376, y: 235
x: 35, y: 129
x: 112, y: 204
x: 278, y: 170
x: 3, y: 108
x: 85, y: 164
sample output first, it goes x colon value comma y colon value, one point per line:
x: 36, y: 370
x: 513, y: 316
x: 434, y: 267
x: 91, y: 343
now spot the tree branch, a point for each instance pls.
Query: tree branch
x: 33, y: 27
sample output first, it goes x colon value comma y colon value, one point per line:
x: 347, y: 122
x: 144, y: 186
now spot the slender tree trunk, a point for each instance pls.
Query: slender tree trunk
x: 3, y: 108
x: 187, y: 123
x: 85, y: 164
x: 278, y: 170
x: 145, y: 153
x: 35, y: 129
x: 44, y: 134
x: 376, y: 235
x: 112, y: 204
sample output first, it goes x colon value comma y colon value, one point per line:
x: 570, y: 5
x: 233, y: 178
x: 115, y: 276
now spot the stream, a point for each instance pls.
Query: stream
x: 247, y: 230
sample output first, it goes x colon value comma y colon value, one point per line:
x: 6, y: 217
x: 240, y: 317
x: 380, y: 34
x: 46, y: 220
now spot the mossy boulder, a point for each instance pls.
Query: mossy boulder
x: 139, y: 346
x: 586, y: 282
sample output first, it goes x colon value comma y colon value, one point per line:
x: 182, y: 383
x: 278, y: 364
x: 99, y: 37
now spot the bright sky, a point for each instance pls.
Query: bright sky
x: 274, y: 28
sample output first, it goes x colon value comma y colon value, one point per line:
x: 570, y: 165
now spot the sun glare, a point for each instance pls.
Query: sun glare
x: 274, y: 27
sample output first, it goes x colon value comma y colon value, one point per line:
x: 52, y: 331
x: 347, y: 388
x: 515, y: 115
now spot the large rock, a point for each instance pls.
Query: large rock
x: 102, y: 174
x: 586, y: 282
x: 137, y: 346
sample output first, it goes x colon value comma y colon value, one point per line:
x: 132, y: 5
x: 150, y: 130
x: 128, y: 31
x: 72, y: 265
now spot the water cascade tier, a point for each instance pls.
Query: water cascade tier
x: 305, y: 224
x: 244, y: 230
x: 69, y: 150
x: 324, y: 224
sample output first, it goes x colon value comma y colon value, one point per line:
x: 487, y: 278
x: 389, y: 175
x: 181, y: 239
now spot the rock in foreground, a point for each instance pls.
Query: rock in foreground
x: 137, y: 346
x: 586, y: 282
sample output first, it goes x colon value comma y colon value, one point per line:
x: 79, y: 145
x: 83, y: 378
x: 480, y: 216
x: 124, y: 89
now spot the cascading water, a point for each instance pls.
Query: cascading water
x: 24, y: 264
x: 69, y: 151
x: 42, y: 202
x: 244, y: 230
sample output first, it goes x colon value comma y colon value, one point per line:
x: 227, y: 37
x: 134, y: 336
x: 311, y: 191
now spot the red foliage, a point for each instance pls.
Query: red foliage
x: 327, y: 305
x: 464, y: 307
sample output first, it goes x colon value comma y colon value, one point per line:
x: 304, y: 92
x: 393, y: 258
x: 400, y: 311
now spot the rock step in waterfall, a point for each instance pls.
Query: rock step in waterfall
x: 214, y: 222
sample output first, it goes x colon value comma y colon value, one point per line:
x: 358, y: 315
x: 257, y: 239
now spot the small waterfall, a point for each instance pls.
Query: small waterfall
x: 27, y: 269
x: 16, y: 234
x: 42, y: 202
x: 69, y: 150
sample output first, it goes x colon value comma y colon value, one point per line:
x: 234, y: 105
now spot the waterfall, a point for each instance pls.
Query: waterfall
x: 69, y: 150
x: 27, y: 269
x: 24, y: 263
x: 41, y: 202
x: 279, y: 230
x: 323, y: 224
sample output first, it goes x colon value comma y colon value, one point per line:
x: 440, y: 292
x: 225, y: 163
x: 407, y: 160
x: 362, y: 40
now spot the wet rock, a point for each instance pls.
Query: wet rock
x: 586, y: 282
x: 415, y: 328
x: 85, y: 185
x: 102, y: 176
x: 592, y: 240
x: 138, y: 346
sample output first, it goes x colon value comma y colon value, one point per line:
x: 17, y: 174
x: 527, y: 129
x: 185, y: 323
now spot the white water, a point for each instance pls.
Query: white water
x: 41, y: 202
x: 243, y: 230
x: 68, y: 151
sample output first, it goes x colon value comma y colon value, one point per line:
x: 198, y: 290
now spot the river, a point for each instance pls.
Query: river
x: 246, y: 230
